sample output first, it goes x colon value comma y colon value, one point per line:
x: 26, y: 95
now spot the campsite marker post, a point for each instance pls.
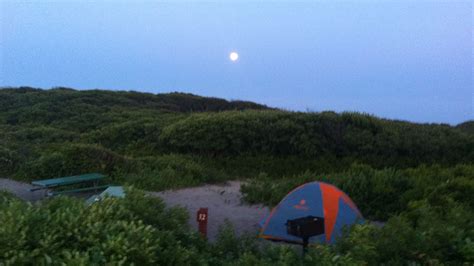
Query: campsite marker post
x: 201, y: 218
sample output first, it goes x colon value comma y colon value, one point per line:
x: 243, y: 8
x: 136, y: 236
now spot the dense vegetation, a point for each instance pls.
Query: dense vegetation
x: 63, y: 131
x: 418, y: 178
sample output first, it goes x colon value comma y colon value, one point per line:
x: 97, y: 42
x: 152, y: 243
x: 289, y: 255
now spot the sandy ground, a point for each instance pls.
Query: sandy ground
x: 223, y: 203
x: 21, y: 189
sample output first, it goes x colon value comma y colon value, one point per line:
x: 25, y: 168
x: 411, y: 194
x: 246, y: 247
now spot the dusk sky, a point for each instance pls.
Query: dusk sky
x: 408, y: 60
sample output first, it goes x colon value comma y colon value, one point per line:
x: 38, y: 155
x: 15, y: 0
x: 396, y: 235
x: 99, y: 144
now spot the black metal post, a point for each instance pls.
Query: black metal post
x: 305, y: 245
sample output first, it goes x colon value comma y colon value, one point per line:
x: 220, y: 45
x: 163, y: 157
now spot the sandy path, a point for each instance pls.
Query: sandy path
x: 21, y: 189
x: 223, y: 201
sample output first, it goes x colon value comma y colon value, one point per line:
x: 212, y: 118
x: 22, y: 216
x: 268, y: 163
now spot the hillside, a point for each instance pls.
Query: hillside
x: 26, y: 105
x: 75, y: 131
x: 467, y: 126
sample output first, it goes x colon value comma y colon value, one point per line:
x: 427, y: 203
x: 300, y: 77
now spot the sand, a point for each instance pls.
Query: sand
x: 21, y: 189
x: 223, y: 202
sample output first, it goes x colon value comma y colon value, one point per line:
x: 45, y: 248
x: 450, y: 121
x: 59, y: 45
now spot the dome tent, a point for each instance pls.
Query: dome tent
x: 318, y: 200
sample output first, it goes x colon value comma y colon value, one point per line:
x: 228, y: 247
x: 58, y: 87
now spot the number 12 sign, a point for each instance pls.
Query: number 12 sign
x: 202, y: 221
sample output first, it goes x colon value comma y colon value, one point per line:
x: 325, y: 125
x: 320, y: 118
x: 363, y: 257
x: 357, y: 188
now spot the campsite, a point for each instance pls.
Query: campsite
x: 415, y: 196
x: 236, y: 133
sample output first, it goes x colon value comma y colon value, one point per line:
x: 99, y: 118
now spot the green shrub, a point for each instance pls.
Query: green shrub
x: 6, y: 197
x: 230, y: 247
x: 63, y: 230
x: 379, y: 194
x: 423, y: 234
x: 349, y: 135
x: 75, y: 159
x: 9, y: 161
x: 172, y: 171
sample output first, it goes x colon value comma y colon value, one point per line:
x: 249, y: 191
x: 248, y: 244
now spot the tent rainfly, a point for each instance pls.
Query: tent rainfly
x: 317, y: 209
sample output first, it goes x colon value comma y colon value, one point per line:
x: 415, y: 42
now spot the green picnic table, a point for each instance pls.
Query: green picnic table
x: 54, y: 183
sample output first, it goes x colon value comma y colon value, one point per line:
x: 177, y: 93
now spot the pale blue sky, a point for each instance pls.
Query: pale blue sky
x: 409, y: 60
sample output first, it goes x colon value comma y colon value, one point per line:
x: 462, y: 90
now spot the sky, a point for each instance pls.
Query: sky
x: 407, y: 60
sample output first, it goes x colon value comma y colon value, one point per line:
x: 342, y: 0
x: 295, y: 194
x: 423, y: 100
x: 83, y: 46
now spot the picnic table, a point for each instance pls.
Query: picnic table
x: 54, y: 183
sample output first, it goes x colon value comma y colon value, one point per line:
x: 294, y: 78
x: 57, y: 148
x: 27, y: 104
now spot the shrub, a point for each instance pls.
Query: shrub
x: 75, y: 159
x: 9, y: 161
x: 63, y: 230
x: 172, y: 171
x: 423, y: 234
x: 379, y: 194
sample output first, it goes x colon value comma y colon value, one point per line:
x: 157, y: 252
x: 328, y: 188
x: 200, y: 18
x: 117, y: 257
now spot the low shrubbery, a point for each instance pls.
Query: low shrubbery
x: 8, y: 160
x: 426, y: 234
x: 171, y: 171
x: 379, y: 194
x: 71, y: 159
x: 361, y: 137
x: 64, y: 230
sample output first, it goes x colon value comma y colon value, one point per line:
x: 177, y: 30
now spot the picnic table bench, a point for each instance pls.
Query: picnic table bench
x: 54, y: 183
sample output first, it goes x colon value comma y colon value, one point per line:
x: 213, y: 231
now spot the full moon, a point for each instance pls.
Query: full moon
x: 234, y: 56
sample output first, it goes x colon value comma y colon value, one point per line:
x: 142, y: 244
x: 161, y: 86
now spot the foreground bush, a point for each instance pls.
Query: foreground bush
x: 423, y: 234
x: 140, y: 230
x: 136, y: 230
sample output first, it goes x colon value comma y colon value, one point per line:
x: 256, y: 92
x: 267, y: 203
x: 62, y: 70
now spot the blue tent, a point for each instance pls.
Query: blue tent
x: 315, y: 199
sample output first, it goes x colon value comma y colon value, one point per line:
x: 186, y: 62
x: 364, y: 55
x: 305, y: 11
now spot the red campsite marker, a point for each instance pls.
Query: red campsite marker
x: 202, y: 220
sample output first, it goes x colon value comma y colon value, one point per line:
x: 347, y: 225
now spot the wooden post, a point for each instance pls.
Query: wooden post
x: 202, y: 221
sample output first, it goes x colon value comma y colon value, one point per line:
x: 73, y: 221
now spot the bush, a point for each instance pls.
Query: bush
x: 9, y: 161
x: 74, y: 159
x: 230, y: 247
x: 349, y: 135
x: 424, y: 234
x: 172, y: 171
x: 379, y: 194
x: 63, y: 230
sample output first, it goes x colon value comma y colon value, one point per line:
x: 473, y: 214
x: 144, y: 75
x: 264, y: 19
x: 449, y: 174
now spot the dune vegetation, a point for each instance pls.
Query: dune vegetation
x: 416, y: 178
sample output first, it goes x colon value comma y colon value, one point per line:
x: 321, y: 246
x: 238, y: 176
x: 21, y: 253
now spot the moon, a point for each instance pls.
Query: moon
x: 233, y: 56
